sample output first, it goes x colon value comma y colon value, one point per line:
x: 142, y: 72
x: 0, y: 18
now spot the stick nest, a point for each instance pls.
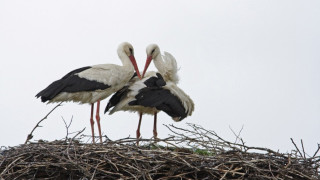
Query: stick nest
x: 192, y: 153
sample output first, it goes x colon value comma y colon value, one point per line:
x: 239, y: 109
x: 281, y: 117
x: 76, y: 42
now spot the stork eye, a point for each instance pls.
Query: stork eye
x: 131, y: 50
x: 153, y: 51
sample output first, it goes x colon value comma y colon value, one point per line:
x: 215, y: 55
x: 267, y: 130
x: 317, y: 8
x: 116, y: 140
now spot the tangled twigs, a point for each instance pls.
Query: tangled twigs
x: 30, y: 135
x: 191, y: 153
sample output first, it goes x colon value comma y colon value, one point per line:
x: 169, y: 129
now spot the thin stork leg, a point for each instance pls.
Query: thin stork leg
x: 138, y: 130
x: 155, y: 134
x: 98, y: 120
x: 92, y: 122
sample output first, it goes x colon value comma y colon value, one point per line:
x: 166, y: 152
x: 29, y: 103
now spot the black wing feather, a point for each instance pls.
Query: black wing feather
x: 70, y: 83
x: 155, y: 81
x: 118, y: 96
x: 154, y: 95
x: 161, y: 99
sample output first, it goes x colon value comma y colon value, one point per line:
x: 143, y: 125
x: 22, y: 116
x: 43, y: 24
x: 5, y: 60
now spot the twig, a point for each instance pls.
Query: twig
x: 237, y: 135
x: 314, y: 155
x: 226, y: 172
x: 94, y: 172
x: 67, y: 126
x: 30, y: 136
x: 296, y: 147
x: 77, y: 134
x: 304, y: 153
x: 7, y: 168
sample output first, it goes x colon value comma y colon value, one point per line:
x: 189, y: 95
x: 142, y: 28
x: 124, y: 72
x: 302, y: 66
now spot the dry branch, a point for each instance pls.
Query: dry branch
x: 30, y: 135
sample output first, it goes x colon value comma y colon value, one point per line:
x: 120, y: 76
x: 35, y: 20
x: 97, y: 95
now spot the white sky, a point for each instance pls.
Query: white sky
x: 251, y: 63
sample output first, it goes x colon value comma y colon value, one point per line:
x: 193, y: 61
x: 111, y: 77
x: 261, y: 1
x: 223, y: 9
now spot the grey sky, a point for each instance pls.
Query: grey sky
x: 251, y: 63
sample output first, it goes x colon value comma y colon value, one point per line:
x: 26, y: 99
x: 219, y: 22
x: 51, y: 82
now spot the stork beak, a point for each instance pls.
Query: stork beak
x: 149, y: 59
x: 134, y: 63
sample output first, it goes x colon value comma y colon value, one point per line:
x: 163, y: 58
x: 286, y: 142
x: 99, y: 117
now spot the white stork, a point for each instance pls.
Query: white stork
x: 156, y: 91
x: 93, y: 83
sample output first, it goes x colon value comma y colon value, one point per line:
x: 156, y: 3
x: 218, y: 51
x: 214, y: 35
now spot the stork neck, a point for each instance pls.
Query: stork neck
x: 160, y: 65
x: 126, y: 62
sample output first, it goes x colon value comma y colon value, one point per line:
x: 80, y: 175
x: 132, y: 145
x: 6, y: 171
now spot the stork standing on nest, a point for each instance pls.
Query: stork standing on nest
x: 92, y: 84
x: 156, y: 91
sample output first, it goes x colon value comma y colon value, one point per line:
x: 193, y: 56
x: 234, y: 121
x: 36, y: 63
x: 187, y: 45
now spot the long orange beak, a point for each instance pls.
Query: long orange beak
x: 149, y: 59
x: 134, y: 63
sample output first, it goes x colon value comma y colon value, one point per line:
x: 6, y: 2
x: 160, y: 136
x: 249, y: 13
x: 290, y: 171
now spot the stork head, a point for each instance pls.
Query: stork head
x: 153, y: 51
x: 126, y: 49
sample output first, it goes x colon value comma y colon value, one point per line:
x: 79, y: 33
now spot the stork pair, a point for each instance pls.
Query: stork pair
x: 149, y: 94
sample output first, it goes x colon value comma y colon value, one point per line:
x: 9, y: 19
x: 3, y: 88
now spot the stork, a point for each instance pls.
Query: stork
x: 156, y: 91
x: 91, y: 84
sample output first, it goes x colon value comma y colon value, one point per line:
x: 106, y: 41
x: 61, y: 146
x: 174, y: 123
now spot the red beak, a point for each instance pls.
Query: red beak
x: 149, y: 59
x: 134, y: 63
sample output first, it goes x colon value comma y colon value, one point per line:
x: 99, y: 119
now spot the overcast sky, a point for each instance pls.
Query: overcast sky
x: 244, y: 63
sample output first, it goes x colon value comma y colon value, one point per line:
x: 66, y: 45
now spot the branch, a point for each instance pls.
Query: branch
x: 304, y: 153
x: 237, y: 135
x: 67, y: 127
x: 30, y: 136
x: 314, y: 155
x: 296, y: 147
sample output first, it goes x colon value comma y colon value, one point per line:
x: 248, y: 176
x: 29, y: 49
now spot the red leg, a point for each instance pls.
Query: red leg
x: 98, y: 120
x: 92, y: 123
x: 138, y: 130
x: 155, y: 134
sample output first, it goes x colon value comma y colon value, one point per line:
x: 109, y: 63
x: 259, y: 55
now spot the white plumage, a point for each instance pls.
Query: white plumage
x: 109, y: 74
x: 171, y: 68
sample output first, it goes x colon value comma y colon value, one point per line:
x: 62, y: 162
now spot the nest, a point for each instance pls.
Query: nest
x: 193, y: 153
